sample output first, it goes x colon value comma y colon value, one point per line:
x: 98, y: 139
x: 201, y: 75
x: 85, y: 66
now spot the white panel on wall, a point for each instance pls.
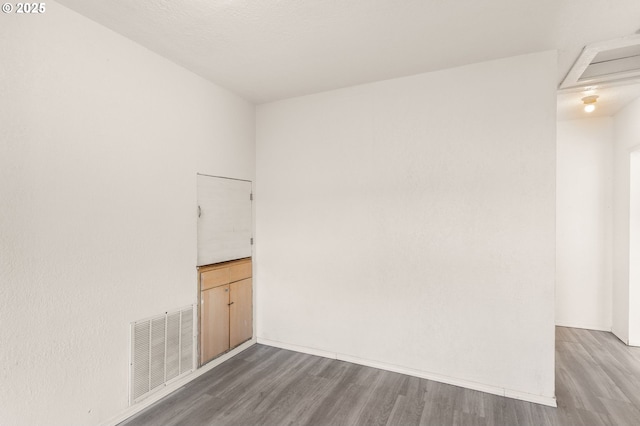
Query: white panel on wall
x: 224, y: 219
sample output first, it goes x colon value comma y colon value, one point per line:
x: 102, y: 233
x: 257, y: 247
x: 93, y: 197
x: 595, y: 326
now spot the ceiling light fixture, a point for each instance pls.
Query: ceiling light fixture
x: 590, y: 103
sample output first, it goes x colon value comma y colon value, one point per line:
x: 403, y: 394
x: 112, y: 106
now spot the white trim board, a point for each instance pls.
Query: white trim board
x: 583, y: 326
x: 494, y: 390
x: 175, y: 386
x: 619, y: 336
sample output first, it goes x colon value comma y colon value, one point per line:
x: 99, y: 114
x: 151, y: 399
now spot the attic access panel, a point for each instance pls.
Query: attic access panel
x: 224, y: 219
x: 607, y: 61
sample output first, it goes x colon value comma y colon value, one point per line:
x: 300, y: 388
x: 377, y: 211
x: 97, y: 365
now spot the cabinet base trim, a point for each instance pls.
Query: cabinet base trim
x: 494, y: 390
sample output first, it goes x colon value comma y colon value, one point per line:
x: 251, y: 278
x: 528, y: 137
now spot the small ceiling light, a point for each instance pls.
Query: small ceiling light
x: 590, y: 103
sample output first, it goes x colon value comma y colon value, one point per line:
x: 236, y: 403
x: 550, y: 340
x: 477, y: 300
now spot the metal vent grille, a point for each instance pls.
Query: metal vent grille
x: 161, y: 351
x: 609, y: 62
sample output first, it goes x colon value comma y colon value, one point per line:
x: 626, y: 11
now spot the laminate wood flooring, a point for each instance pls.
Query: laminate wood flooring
x: 597, y: 383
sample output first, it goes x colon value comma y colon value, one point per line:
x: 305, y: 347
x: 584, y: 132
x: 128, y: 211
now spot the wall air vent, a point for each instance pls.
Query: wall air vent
x: 612, y: 61
x: 162, y: 350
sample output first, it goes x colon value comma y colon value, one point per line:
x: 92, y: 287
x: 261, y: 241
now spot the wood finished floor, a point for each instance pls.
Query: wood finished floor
x: 597, y: 383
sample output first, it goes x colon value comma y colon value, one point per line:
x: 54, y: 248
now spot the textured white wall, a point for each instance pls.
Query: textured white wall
x: 100, y: 142
x: 626, y: 294
x: 412, y: 222
x: 634, y: 248
x: 584, y: 197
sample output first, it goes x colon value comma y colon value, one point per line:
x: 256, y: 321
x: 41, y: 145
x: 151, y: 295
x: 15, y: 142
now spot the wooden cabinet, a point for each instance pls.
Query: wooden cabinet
x: 214, y: 322
x: 226, y: 307
x: 240, y: 318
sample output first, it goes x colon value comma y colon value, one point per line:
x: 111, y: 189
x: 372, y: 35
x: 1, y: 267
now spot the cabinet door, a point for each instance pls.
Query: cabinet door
x: 240, y: 314
x: 214, y: 327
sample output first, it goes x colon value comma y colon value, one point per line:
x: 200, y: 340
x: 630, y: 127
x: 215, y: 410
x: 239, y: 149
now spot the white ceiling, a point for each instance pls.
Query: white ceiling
x: 611, y: 100
x: 266, y: 50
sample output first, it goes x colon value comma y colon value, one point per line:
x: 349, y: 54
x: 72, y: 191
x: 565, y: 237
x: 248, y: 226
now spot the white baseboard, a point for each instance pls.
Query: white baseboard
x: 156, y: 396
x: 583, y: 326
x: 296, y: 348
x: 620, y: 336
x: 495, y: 390
x: 627, y: 341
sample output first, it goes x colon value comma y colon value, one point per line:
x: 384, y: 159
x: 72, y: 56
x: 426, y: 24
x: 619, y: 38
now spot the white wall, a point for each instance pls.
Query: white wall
x: 100, y: 143
x: 411, y: 223
x: 584, y: 196
x: 626, y: 297
x: 634, y: 248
